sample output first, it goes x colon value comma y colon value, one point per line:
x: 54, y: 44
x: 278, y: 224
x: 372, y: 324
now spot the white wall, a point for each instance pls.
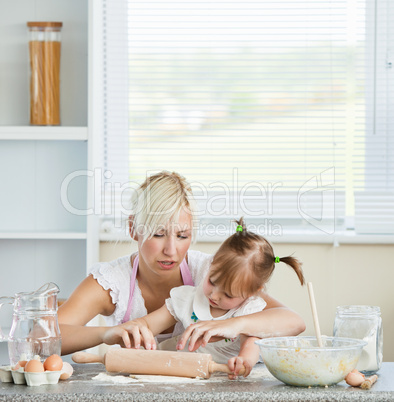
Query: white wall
x: 348, y: 274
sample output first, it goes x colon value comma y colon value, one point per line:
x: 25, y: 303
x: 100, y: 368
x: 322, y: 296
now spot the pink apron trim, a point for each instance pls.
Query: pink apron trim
x: 185, y: 273
x: 132, y: 286
x: 186, y: 279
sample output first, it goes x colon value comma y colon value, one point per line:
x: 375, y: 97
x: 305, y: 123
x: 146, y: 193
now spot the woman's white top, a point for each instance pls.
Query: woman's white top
x: 188, y: 304
x: 116, y: 276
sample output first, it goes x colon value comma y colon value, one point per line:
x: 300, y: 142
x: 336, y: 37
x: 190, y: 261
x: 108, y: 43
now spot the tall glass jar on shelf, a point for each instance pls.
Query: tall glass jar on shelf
x: 44, y: 52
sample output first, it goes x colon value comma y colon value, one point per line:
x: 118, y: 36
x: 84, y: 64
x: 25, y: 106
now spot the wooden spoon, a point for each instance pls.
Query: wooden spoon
x: 314, y: 314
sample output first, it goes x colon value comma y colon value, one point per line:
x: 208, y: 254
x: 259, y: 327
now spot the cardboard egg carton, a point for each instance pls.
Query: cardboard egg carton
x: 32, y: 379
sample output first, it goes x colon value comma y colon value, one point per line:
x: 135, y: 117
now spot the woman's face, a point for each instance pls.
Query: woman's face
x: 164, y: 252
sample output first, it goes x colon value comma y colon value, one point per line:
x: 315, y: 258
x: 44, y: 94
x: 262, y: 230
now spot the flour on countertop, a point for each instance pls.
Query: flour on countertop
x: 136, y: 379
x: 258, y: 372
x: 164, y: 378
x: 115, y: 379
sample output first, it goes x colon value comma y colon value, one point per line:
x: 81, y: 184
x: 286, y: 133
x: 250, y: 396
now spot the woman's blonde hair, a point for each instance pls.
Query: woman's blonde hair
x: 245, y: 262
x: 159, y: 201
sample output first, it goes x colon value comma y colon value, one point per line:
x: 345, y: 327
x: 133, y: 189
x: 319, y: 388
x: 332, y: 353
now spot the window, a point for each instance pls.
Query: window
x: 275, y: 111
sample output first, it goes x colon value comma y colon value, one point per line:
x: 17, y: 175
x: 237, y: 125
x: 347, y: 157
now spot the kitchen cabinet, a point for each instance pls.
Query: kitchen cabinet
x: 45, y: 234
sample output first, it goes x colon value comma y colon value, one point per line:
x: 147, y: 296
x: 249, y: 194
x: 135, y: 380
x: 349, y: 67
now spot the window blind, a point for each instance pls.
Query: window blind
x: 273, y: 110
x: 374, y: 143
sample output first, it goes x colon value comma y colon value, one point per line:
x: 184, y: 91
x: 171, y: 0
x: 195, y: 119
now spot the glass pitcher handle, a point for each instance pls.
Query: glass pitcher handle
x: 47, y: 288
x: 5, y: 300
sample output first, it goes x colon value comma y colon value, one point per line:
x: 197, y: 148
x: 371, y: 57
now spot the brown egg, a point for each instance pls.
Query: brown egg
x: 16, y: 367
x: 34, y: 366
x: 53, y: 363
x: 67, y: 370
x: 21, y: 363
x: 355, y: 378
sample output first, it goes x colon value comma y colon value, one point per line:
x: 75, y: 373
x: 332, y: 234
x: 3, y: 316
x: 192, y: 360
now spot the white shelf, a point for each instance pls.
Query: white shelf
x: 47, y: 242
x: 42, y: 236
x: 47, y: 133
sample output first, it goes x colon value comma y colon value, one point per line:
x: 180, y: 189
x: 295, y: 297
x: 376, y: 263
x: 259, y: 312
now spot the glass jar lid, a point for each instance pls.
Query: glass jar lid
x: 46, y: 24
x: 358, y: 310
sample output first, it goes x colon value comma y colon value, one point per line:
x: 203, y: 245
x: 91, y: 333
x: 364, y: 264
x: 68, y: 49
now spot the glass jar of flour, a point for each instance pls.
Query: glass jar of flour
x: 362, y: 322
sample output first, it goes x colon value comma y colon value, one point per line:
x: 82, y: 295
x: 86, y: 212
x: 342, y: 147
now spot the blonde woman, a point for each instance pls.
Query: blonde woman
x: 163, y: 213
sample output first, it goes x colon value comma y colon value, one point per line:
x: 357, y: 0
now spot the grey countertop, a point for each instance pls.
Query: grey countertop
x: 260, y: 385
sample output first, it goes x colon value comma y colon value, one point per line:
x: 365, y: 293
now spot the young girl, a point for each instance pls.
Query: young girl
x: 237, y: 275
x: 162, y: 222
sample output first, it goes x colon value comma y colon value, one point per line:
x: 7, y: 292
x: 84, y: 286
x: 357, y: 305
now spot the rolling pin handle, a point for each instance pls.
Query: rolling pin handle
x: 84, y: 357
x: 223, y: 368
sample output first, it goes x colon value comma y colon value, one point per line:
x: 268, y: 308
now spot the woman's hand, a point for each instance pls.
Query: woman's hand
x: 236, y: 364
x: 203, y: 332
x: 141, y: 331
x: 131, y: 334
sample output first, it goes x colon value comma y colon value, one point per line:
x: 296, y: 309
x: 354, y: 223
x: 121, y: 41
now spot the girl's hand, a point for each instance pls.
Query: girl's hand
x: 203, y: 332
x: 247, y: 357
x: 235, y: 364
x: 131, y: 334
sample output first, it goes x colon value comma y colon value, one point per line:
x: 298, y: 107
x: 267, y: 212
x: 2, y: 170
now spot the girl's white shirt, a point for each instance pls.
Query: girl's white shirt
x: 188, y: 304
x: 116, y: 276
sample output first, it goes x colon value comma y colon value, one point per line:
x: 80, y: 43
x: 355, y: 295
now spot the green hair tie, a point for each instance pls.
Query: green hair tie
x: 239, y: 228
x: 277, y: 259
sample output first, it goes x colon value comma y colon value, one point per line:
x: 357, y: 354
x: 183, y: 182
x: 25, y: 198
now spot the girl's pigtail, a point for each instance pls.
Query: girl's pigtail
x: 241, y: 227
x: 296, y: 265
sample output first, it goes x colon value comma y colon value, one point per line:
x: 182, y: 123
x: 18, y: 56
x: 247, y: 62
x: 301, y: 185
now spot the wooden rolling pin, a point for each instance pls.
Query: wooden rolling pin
x: 155, y: 362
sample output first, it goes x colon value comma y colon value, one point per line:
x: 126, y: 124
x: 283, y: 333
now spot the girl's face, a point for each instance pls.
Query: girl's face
x: 164, y: 252
x: 218, y: 298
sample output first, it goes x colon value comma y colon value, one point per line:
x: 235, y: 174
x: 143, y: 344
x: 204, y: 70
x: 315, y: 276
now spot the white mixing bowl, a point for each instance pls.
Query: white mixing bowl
x: 298, y: 360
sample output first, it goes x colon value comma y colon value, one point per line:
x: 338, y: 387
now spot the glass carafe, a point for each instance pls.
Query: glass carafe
x: 35, y: 329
